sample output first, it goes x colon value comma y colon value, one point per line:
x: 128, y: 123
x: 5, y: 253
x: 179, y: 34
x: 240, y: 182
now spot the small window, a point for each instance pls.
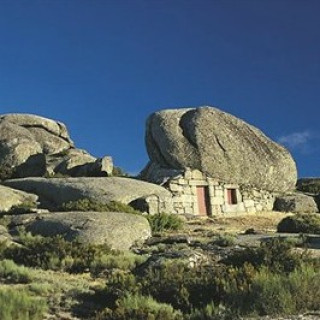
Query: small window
x: 232, y: 196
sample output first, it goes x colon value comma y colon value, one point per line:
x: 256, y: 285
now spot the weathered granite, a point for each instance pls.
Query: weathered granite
x: 32, y: 146
x: 56, y: 191
x: 219, y: 145
x: 10, y: 197
x: 119, y: 230
x: 296, y: 203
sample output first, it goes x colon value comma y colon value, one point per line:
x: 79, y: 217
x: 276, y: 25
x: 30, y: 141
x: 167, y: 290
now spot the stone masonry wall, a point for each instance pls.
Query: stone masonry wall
x: 185, y: 201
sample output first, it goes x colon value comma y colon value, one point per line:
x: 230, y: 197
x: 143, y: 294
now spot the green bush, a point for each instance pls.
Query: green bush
x: 11, y: 273
x: 22, y: 208
x: 278, y: 294
x: 54, y: 253
x: 138, y: 307
x: 276, y: 254
x: 93, y: 205
x: 273, y: 286
x: 305, y: 223
x: 116, y: 260
x: 163, y: 221
x: 18, y: 304
x: 212, y: 312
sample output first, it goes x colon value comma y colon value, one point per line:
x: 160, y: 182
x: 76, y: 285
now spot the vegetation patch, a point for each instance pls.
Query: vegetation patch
x: 12, y: 273
x: 163, y: 221
x: 92, y: 205
x: 140, y: 307
x: 22, y: 208
x: 304, y: 223
x: 20, y: 305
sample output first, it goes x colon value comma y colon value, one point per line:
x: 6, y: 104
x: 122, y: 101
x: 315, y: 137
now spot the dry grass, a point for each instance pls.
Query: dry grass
x: 262, y: 221
x: 60, y: 289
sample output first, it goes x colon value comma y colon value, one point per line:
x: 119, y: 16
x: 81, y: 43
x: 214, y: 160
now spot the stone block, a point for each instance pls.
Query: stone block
x: 231, y: 186
x: 211, y: 191
x: 196, y: 174
x: 198, y: 182
x: 216, y: 200
x: 188, y: 174
x: 251, y: 210
x: 175, y: 187
x: 219, y: 193
x: 182, y: 181
x: 215, y: 209
x: 187, y: 190
x: 248, y: 203
x: 212, y: 182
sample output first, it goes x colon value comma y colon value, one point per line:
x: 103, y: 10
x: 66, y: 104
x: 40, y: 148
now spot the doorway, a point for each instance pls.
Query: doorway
x: 203, y: 200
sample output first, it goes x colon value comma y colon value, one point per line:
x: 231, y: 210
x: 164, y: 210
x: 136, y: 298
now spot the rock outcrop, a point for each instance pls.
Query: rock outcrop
x: 218, y: 144
x: 35, y: 146
x: 56, y: 191
x: 309, y: 185
x: 296, y: 203
x: 119, y: 230
x: 11, y: 197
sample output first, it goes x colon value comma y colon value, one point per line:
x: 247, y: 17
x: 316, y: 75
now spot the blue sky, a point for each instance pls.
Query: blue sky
x: 102, y: 66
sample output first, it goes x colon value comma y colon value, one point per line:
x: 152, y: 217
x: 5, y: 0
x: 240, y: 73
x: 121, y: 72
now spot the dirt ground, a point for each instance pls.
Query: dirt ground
x: 261, y: 222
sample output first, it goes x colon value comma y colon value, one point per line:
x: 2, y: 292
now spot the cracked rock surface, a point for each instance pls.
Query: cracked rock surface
x: 218, y: 144
x: 32, y: 146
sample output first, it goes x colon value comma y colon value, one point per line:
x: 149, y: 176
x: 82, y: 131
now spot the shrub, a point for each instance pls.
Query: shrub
x: 275, y: 254
x: 20, y: 305
x: 306, y: 223
x: 212, y: 312
x: 269, y: 295
x: 116, y: 260
x: 22, y: 208
x: 193, y: 288
x: 225, y: 240
x: 163, y: 221
x: 93, y: 205
x: 138, y: 307
x: 275, y: 294
x: 11, y: 273
x: 54, y: 253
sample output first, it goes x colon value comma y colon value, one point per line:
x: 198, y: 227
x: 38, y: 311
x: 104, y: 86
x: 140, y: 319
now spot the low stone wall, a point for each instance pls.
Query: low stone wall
x: 257, y: 200
x: 185, y: 199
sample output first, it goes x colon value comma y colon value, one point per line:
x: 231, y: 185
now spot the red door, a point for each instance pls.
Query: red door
x: 203, y: 200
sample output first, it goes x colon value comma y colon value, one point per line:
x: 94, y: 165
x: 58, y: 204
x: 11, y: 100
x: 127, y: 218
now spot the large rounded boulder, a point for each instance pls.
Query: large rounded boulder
x: 53, y: 193
x: 11, y: 197
x: 117, y: 229
x: 32, y: 146
x: 218, y: 144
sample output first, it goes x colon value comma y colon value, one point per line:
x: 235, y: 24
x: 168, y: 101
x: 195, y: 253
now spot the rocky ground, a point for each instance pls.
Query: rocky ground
x: 195, y: 244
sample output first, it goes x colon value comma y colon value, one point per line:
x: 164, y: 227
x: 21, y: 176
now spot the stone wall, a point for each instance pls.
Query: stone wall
x: 185, y: 199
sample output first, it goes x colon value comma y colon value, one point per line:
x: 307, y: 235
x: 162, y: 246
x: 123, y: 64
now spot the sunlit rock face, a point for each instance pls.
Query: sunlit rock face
x: 220, y: 145
x: 31, y: 145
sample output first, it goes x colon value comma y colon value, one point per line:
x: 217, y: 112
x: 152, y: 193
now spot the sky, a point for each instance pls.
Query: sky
x: 103, y: 66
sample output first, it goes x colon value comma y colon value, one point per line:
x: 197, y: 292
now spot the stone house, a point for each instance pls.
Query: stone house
x: 195, y: 193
